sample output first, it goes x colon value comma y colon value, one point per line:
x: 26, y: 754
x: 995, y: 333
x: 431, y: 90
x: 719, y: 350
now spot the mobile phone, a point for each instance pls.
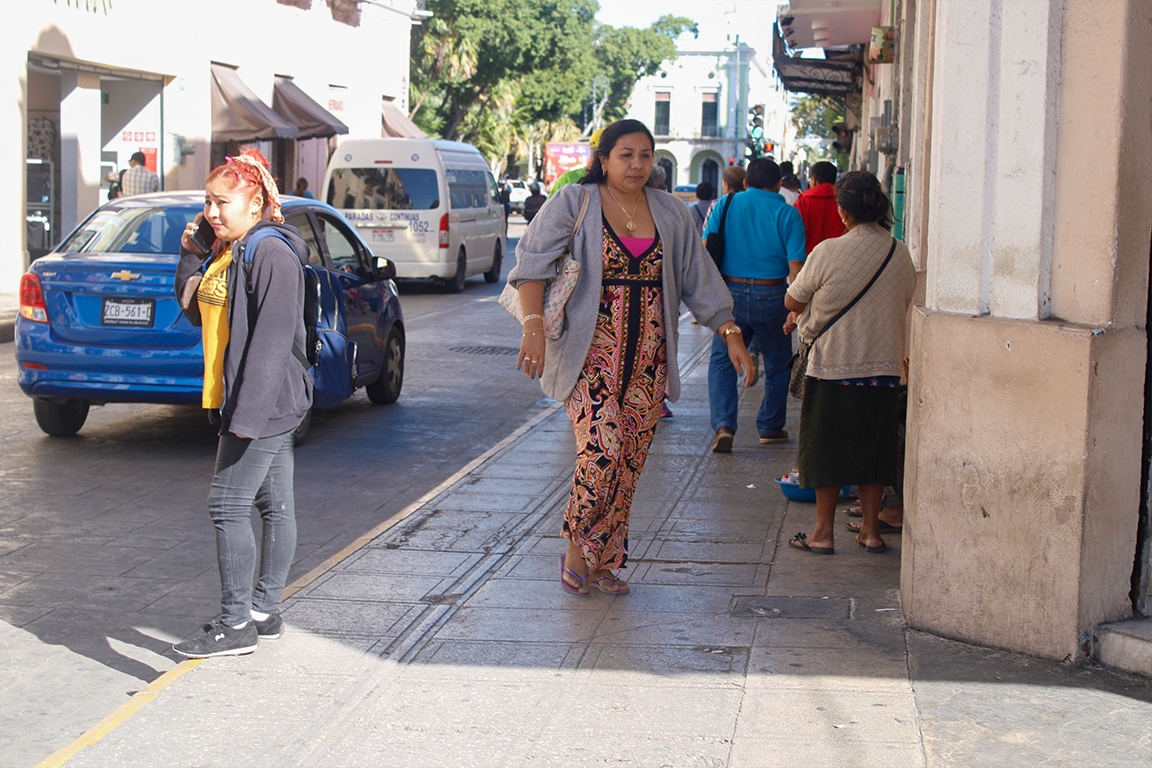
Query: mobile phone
x: 204, y: 237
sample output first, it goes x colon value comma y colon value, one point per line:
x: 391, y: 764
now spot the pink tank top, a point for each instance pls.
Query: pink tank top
x: 637, y: 245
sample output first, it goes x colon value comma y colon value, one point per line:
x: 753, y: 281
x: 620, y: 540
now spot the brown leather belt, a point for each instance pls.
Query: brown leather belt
x: 751, y: 281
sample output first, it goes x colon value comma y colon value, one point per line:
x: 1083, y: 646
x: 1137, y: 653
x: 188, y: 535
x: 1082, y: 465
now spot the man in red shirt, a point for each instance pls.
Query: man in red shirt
x: 817, y: 206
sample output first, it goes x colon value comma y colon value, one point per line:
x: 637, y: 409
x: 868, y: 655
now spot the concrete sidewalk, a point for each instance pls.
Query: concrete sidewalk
x: 446, y: 641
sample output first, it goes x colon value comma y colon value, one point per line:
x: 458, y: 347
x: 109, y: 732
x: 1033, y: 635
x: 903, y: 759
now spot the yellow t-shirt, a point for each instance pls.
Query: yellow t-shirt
x: 212, y: 296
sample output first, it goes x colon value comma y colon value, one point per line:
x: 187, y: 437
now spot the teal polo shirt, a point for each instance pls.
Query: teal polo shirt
x: 762, y: 235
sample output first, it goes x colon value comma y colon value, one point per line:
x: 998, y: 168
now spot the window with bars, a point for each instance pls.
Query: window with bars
x: 663, y: 113
x: 708, y: 116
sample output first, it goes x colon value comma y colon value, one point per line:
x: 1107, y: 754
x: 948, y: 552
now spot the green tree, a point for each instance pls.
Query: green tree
x: 814, y: 116
x: 497, y: 73
x: 627, y: 54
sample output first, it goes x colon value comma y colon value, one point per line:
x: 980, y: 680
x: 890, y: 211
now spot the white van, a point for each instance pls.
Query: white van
x: 431, y: 207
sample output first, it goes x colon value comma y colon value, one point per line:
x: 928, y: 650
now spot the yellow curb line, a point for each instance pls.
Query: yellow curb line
x: 139, y: 700
x: 148, y: 694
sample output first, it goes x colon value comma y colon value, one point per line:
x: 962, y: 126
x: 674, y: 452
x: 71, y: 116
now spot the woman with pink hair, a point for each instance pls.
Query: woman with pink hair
x: 250, y: 307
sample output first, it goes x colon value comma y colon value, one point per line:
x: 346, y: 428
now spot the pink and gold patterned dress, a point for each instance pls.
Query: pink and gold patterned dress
x: 616, y: 403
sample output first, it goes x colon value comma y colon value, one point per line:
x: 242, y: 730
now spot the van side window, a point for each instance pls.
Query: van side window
x: 468, y: 188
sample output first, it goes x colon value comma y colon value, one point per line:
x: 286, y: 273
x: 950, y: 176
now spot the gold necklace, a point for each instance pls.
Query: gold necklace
x: 631, y: 225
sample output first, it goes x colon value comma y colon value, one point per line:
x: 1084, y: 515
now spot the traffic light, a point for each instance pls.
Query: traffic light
x: 843, y: 142
x: 755, y: 131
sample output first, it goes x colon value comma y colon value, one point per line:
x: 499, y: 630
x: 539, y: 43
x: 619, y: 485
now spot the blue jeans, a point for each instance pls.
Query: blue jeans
x: 251, y: 472
x: 760, y: 313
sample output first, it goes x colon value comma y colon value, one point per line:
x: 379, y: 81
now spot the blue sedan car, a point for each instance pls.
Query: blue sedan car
x: 99, y: 321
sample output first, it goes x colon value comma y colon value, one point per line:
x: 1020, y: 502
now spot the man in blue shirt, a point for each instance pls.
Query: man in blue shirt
x: 763, y: 251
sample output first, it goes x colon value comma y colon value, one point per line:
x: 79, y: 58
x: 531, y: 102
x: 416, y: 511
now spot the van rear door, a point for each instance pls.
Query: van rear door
x: 396, y: 209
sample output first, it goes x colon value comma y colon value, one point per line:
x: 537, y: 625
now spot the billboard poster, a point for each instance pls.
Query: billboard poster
x: 561, y: 158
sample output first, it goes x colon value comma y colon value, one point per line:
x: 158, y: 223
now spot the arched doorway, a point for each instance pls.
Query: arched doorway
x: 710, y: 172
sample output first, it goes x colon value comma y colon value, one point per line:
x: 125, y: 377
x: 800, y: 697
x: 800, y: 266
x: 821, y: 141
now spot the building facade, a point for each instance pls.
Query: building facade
x: 90, y: 82
x: 1027, y: 461
x: 698, y: 104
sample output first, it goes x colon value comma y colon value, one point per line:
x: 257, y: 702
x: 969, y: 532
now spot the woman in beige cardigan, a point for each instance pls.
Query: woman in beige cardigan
x: 616, y: 360
x: 851, y: 410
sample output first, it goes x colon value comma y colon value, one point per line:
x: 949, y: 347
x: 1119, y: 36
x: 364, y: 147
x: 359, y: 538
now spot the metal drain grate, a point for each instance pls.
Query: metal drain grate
x: 485, y: 350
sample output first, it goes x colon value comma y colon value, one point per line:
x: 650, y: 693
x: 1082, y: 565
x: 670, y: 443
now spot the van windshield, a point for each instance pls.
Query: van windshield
x: 383, y: 189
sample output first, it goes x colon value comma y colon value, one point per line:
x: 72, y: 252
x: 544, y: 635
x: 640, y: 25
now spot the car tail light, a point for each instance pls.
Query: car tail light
x: 32, y: 305
x: 444, y: 231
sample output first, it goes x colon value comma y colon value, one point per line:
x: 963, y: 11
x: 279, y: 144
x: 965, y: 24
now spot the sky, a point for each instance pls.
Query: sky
x: 641, y: 13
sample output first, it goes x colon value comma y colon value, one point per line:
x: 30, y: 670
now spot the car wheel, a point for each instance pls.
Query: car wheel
x: 60, y: 418
x: 386, y: 389
x: 456, y: 283
x: 300, y: 434
x: 493, y: 274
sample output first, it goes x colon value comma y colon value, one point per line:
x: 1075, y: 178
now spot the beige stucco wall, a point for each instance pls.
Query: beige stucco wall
x: 1025, y: 472
x: 1028, y: 361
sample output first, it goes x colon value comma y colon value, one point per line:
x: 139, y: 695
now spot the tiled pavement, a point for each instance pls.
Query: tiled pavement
x: 446, y: 641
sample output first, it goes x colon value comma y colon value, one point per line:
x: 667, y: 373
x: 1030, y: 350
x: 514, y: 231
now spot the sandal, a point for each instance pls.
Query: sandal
x: 854, y: 526
x: 799, y: 541
x: 564, y: 585
x: 612, y: 589
x: 854, y: 511
x: 873, y: 550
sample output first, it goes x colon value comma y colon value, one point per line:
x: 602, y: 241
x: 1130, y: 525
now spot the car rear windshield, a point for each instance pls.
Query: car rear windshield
x: 132, y: 230
x: 384, y: 189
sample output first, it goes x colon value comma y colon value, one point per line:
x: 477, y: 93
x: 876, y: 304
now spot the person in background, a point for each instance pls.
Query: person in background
x: 301, y: 189
x: 251, y: 312
x: 763, y: 247
x: 787, y: 169
x: 850, y: 414
x: 790, y: 189
x: 506, y: 197
x: 576, y: 174
x: 658, y: 179
x: 533, y: 202
x: 640, y: 258
x: 731, y: 182
x: 817, y: 206
x: 705, y: 194
x: 136, y: 179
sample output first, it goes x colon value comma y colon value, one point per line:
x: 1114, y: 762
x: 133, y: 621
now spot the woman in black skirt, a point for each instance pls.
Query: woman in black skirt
x: 851, y: 409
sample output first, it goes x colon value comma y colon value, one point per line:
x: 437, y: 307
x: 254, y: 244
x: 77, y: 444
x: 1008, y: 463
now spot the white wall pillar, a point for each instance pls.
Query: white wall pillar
x: 13, y: 127
x: 994, y: 127
x: 80, y: 147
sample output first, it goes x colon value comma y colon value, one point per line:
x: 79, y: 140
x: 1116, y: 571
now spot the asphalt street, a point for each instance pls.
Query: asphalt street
x: 106, y: 550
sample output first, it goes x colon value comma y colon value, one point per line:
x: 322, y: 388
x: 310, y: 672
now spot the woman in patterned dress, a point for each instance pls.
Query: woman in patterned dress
x: 616, y: 360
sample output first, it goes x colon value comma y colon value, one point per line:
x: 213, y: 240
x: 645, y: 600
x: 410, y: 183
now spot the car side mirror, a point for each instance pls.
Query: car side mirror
x: 385, y: 269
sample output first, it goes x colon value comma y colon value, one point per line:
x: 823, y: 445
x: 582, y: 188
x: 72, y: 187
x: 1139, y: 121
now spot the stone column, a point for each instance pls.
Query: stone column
x: 1028, y: 360
x: 80, y: 147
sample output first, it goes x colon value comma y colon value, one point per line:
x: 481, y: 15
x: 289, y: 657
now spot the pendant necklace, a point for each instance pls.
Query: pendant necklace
x: 630, y: 225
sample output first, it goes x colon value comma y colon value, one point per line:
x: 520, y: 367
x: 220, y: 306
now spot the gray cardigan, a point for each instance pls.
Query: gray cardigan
x: 688, y: 274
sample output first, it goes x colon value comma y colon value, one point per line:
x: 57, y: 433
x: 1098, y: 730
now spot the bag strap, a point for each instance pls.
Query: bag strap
x: 579, y: 216
x: 248, y: 252
x: 859, y: 296
x: 724, y: 214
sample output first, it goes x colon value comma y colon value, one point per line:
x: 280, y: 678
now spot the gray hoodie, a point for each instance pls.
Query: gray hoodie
x: 266, y: 390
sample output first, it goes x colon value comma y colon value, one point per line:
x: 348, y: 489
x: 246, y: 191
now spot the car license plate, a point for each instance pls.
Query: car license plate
x: 383, y: 236
x: 138, y: 313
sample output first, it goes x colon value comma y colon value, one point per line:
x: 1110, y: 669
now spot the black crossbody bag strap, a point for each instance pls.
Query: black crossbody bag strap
x: 724, y: 214
x: 859, y: 296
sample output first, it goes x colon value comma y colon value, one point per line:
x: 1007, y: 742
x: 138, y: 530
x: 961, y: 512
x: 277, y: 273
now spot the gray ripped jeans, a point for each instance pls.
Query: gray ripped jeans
x: 257, y: 471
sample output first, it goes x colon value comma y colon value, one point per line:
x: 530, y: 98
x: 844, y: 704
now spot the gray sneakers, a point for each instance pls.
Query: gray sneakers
x: 216, y: 639
x: 271, y: 627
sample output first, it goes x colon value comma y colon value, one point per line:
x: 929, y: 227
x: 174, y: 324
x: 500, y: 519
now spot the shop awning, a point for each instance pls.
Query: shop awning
x: 395, y: 124
x: 837, y: 75
x: 300, y: 109
x: 238, y: 114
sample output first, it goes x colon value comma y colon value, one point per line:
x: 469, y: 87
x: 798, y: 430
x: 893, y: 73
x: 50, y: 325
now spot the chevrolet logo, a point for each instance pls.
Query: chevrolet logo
x: 124, y: 275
